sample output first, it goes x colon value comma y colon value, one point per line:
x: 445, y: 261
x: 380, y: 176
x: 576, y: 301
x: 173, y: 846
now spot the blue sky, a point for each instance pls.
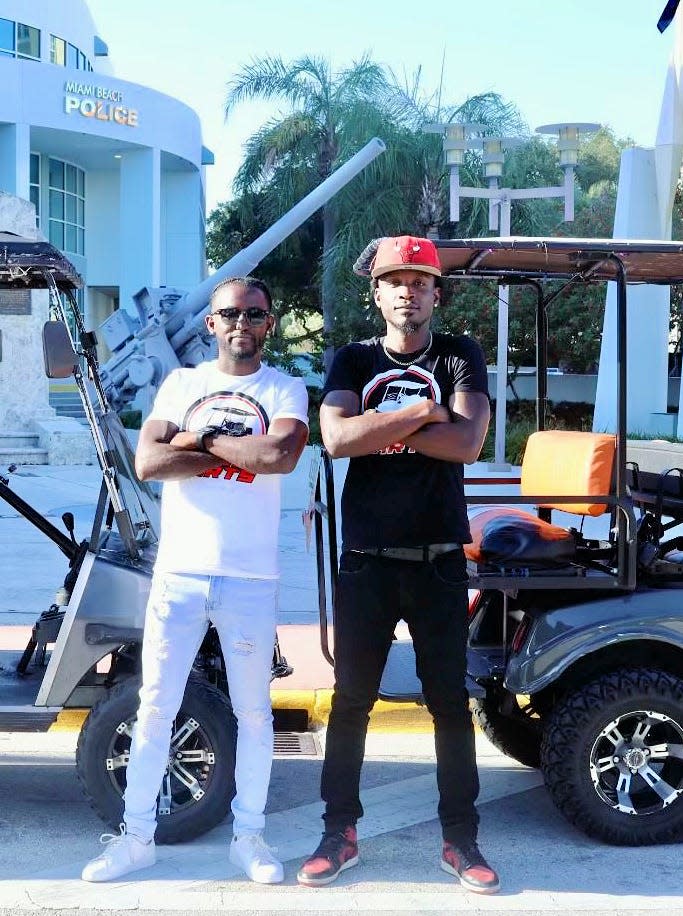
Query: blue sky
x: 558, y: 60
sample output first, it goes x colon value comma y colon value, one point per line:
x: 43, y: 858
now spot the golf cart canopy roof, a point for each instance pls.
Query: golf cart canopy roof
x: 517, y: 259
x: 24, y: 264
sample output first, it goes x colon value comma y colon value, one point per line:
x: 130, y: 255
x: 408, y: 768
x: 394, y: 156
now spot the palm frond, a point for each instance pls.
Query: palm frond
x: 270, y: 77
x: 500, y: 118
x: 289, y: 139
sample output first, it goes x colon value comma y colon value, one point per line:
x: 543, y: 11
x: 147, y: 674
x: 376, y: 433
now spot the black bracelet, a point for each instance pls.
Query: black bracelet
x: 202, y: 434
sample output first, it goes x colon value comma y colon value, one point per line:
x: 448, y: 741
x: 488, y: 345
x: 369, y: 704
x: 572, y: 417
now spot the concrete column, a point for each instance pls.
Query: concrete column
x: 15, y: 159
x: 182, y: 251
x: 637, y: 217
x: 140, y: 198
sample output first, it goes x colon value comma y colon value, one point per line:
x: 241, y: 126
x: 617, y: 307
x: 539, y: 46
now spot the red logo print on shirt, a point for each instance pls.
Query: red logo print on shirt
x: 229, y: 472
x: 234, y: 414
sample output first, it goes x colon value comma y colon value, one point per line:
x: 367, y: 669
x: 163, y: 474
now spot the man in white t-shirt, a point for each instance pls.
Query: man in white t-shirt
x: 219, y: 437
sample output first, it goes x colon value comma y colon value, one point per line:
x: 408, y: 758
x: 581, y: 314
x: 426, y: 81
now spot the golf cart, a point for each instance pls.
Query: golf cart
x: 84, y: 651
x: 575, y: 656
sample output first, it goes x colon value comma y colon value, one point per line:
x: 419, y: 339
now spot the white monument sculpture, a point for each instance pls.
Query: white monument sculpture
x: 30, y: 430
x: 647, y: 185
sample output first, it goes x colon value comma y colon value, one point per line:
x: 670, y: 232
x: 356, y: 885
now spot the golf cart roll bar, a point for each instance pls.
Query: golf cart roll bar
x: 30, y: 264
x: 533, y: 262
x: 327, y: 510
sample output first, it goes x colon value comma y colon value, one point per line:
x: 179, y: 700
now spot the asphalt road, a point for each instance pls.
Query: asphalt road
x: 47, y: 833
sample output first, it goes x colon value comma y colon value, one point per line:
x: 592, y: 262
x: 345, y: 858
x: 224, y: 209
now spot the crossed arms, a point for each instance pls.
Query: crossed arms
x: 165, y: 453
x: 453, y: 433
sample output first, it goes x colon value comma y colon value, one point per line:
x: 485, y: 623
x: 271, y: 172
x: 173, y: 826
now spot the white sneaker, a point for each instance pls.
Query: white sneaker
x: 124, y: 853
x: 251, y: 853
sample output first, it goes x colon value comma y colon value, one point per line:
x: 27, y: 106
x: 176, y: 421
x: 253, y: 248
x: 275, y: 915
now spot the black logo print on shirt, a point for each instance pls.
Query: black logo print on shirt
x: 234, y: 414
x: 397, y: 388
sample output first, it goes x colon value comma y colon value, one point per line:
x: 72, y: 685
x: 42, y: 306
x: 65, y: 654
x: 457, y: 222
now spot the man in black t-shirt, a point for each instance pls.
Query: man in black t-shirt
x: 409, y: 409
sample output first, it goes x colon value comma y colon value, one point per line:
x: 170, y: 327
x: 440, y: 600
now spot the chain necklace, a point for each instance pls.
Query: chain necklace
x: 415, y: 358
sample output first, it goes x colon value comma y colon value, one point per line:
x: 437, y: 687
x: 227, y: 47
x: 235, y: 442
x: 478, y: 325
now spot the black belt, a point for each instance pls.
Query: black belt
x: 423, y: 554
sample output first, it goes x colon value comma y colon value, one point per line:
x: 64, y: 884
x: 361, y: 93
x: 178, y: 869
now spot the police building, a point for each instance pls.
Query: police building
x: 115, y: 170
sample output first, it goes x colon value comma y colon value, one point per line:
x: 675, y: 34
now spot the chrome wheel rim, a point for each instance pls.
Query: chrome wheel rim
x: 191, y: 764
x: 636, y: 762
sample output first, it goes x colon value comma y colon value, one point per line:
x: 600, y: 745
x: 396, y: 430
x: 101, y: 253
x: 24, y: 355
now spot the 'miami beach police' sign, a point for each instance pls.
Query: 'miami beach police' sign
x: 98, y: 102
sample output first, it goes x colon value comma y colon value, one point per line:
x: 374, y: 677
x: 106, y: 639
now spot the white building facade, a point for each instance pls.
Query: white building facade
x: 115, y: 170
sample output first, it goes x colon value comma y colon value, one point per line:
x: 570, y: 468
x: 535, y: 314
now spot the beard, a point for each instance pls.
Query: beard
x: 244, y: 352
x: 407, y: 326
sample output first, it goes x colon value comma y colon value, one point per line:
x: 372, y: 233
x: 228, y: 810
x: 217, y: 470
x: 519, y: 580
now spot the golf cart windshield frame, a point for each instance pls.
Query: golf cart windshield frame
x: 30, y: 264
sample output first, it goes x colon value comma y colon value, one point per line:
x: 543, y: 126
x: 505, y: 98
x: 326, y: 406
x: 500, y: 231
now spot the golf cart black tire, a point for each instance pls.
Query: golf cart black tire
x: 204, y: 703
x: 576, y: 722
x: 514, y: 736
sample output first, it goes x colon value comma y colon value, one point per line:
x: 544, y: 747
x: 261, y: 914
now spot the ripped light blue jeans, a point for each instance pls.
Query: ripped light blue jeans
x: 178, y: 613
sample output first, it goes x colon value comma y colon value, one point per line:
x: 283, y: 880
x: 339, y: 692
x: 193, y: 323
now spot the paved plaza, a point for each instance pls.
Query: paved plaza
x: 48, y: 831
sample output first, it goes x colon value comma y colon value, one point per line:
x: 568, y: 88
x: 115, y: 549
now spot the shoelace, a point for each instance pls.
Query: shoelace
x: 471, y: 856
x: 108, y: 839
x: 330, y: 843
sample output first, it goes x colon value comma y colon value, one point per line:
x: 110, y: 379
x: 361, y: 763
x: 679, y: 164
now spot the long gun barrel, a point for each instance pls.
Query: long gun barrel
x: 170, y: 331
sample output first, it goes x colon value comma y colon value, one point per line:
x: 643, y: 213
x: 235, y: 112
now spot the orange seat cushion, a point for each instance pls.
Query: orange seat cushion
x: 567, y: 463
x: 503, y: 534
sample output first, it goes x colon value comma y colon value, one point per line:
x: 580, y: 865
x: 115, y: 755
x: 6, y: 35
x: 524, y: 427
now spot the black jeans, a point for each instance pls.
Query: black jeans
x: 373, y: 594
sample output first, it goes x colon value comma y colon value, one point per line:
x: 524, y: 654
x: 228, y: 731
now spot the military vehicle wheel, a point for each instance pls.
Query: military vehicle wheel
x: 199, y: 783
x: 612, y: 757
x: 508, y: 727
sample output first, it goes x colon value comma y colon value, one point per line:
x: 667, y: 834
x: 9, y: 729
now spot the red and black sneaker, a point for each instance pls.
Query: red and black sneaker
x: 336, y: 852
x: 467, y: 863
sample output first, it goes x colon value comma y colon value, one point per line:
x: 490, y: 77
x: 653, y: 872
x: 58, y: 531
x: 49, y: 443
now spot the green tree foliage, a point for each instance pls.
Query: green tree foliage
x: 575, y: 318
x: 331, y: 116
x: 327, y: 116
x: 676, y: 313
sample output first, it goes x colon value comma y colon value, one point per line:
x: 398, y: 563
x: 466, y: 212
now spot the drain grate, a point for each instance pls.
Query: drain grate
x: 303, y: 744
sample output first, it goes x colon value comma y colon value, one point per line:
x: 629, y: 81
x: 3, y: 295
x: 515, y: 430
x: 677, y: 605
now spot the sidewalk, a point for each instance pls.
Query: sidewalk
x: 546, y: 867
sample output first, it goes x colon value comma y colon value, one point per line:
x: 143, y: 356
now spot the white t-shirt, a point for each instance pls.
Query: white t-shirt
x: 224, y: 522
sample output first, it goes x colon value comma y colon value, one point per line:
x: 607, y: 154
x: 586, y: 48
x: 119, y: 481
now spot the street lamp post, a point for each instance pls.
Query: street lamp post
x: 457, y: 138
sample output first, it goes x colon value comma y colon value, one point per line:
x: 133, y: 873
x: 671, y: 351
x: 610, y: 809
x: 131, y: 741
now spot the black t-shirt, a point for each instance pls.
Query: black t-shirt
x: 397, y: 497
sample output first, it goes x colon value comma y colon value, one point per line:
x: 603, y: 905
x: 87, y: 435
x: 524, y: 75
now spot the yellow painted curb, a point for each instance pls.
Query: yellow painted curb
x: 69, y: 720
x: 384, y: 717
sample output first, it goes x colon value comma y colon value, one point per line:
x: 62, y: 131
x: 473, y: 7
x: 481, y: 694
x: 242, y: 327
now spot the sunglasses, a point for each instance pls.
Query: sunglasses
x: 254, y: 317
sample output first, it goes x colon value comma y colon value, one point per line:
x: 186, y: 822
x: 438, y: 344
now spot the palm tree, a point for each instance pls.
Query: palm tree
x: 332, y: 115
x: 329, y: 116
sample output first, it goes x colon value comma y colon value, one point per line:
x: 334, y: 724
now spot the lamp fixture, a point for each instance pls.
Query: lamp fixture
x: 568, y: 136
x: 457, y: 138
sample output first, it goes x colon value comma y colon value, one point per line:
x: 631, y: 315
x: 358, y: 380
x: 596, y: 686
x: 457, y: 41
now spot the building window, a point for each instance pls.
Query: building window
x: 34, y: 184
x: 57, y: 51
x: 67, y: 55
x: 66, y: 199
x: 7, y: 37
x: 19, y: 40
x: 72, y: 57
x: 28, y: 42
